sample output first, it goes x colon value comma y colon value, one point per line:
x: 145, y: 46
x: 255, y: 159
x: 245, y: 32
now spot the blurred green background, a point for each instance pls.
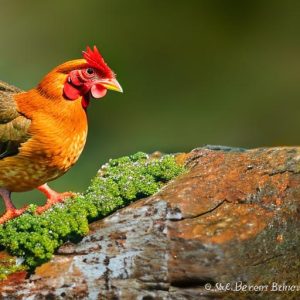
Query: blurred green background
x: 194, y: 72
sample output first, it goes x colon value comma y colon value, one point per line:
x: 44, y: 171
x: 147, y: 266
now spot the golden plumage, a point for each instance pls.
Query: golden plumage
x: 43, y: 131
x: 57, y: 133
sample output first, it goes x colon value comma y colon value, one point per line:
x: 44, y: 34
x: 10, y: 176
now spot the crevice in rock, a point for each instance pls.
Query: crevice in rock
x: 276, y: 172
x: 265, y: 260
x: 203, y: 213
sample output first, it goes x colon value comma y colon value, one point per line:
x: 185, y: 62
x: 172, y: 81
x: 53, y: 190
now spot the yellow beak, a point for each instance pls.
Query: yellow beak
x: 111, y: 84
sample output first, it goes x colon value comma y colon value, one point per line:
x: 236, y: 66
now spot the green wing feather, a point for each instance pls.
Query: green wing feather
x: 13, y: 125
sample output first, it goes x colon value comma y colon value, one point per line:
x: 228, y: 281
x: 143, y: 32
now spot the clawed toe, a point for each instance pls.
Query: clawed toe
x: 11, y: 214
x: 54, y: 199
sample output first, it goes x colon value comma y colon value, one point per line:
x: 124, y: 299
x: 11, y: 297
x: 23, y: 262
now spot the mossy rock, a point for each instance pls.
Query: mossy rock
x: 34, y: 238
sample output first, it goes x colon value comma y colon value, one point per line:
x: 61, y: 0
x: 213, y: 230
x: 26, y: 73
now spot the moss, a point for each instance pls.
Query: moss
x: 119, y: 182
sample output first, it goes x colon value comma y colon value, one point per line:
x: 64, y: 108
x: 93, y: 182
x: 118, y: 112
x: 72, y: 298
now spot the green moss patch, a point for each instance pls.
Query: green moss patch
x: 35, y: 238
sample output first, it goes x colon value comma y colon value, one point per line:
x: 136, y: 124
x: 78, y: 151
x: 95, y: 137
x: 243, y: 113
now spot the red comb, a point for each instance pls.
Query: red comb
x: 95, y: 60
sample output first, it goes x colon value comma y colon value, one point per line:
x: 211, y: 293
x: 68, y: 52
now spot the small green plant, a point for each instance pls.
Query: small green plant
x: 34, y: 237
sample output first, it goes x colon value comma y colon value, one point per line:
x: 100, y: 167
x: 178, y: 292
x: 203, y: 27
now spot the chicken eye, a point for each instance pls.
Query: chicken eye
x: 90, y: 71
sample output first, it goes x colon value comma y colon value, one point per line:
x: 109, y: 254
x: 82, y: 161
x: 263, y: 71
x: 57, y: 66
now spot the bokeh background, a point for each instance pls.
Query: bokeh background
x: 194, y: 72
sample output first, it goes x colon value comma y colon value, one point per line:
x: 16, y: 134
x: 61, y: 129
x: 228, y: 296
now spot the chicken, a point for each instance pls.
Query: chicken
x: 43, y: 131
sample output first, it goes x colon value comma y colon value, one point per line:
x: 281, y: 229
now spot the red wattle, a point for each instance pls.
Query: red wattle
x: 98, y: 91
x: 71, y: 92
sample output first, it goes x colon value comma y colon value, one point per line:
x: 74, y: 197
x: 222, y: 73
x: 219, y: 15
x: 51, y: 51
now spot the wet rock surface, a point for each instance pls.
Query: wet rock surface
x: 233, y: 217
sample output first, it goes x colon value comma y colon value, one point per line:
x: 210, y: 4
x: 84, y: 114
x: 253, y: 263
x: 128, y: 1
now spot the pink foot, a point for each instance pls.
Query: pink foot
x: 11, y: 214
x: 52, y: 197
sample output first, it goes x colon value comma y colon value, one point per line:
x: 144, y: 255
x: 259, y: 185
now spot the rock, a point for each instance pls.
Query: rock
x: 233, y: 219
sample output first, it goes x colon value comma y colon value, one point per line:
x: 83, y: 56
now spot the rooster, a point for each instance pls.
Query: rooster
x: 43, y: 131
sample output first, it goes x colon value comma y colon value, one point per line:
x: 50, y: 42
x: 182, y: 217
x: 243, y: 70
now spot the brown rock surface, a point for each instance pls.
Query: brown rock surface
x: 234, y: 217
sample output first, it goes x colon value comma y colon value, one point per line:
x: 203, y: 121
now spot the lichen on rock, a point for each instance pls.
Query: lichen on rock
x: 119, y: 182
x: 9, y: 265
